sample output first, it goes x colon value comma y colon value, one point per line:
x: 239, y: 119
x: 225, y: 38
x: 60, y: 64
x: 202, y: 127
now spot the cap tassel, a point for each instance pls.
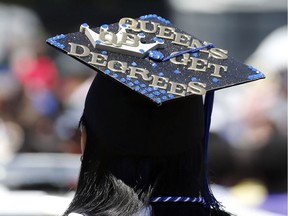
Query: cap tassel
x: 206, y: 190
x: 193, y: 50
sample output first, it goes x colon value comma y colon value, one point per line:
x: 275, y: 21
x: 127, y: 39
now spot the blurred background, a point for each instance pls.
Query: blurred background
x: 42, y: 93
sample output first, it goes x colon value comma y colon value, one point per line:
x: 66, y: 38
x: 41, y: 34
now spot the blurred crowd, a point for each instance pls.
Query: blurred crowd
x: 42, y: 98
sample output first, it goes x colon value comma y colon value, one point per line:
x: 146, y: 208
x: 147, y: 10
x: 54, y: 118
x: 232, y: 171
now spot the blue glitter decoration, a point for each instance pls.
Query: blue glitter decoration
x: 149, y: 89
x: 107, y: 71
x: 158, y: 100
x: 144, y: 91
x: 154, y: 65
x: 141, y: 35
x: 123, y: 80
x: 128, y: 78
x: 137, y: 88
x: 84, y: 25
x: 177, y: 71
x: 141, y: 51
x: 215, y: 80
x: 104, y: 52
x: 163, y: 91
x: 59, y: 36
x: 130, y: 84
x: 170, y: 95
x: 134, y: 64
x: 194, y: 79
x: 115, y: 75
x: 195, y: 55
x: 256, y: 76
x: 136, y: 82
x: 59, y: 45
x: 164, y: 97
x: 156, y: 93
x: 154, y: 16
x: 156, y: 39
x: 53, y: 41
x: 124, y: 25
x: 150, y: 95
x: 253, y: 69
x: 161, y: 74
x: 155, y: 88
x: 155, y: 55
x: 97, y: 41
x: 105, y: 26
x: 142, y: 85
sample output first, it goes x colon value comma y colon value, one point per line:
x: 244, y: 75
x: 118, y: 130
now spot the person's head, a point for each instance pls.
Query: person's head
x: 146, y: 128
x: 119, y: 129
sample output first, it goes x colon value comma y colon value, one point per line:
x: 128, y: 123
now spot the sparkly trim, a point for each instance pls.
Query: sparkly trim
x: 54, y: 41
x: 151, y: 16
x: 257, y: 75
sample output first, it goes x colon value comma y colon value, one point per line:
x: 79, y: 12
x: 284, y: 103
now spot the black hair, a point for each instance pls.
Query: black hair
x: 135, y: 150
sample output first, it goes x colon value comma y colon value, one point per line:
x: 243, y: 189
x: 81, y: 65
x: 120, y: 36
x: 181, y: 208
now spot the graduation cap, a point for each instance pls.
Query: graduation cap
x: 159, y: 63
x: 154, y: 58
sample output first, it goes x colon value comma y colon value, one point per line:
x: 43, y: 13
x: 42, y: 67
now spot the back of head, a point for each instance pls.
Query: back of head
x: 135, y: 149
x: 137, y: 153
x: 120, y: 122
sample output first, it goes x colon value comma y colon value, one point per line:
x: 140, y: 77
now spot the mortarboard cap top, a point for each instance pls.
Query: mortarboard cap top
x: 155, y: 58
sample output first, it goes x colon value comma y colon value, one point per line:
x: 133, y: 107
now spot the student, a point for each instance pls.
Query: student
x: 144, y: 126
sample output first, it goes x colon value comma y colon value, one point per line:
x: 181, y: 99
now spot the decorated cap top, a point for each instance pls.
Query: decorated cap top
x: 153, y: 57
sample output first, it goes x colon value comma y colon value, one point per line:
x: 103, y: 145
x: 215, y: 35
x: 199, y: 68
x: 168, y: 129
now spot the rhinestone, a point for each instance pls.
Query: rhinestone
x: 194, y: 79
x: 156, y: 93
x: 177, y: 71
x: 156, y: 39
x: 195, y: 55
x: 104, y: 26
x: 158, y: 100
x: 150, y: 95
x: 141, y: 35
x: 156, y: 55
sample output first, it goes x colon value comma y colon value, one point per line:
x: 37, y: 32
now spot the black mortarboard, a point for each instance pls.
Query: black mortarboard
x: 155, y: 58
